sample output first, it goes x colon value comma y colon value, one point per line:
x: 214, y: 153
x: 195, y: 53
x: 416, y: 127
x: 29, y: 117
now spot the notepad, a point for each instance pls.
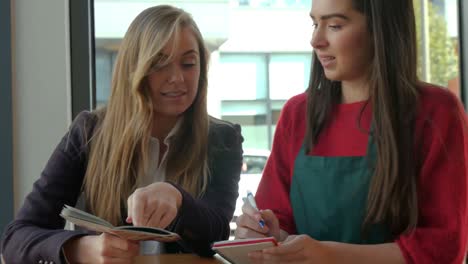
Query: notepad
x: 136, y: 233
x: 236, y: 251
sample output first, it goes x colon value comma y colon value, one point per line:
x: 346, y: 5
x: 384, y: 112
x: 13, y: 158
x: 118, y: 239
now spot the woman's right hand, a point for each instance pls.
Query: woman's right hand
x: 248, y: 223
x: 104, y: 248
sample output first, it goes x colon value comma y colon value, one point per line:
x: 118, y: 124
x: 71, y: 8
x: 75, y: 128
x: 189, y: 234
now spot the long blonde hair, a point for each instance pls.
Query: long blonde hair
x: 119, y: 146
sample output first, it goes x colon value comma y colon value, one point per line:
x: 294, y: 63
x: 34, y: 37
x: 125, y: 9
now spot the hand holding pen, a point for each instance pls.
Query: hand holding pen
x: 251, y: 200
x: 254, y: 223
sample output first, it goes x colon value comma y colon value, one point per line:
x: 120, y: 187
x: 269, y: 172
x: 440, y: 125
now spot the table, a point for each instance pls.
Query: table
x: 173, y: 259
x: 179, y: 259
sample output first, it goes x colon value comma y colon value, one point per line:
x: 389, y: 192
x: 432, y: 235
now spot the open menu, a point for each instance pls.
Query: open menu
x: 136, y: 233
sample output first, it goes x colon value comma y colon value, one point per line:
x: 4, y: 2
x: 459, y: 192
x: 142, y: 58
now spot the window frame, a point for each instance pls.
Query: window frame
x: 82, y: 56
x: 6, y: 116
x: 463, y: 51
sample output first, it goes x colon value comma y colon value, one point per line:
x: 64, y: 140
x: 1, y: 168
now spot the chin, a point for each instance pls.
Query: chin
x: 332, y: 77
x: 170, y: 113
x: 175, y: 113
x: 336, y: 75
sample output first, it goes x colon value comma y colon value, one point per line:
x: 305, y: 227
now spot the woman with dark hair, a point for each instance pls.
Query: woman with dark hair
x: 369, y: 165
x: 152, y: 157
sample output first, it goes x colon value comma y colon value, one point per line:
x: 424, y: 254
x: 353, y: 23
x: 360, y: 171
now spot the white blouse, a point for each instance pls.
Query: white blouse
x: 156, y: 173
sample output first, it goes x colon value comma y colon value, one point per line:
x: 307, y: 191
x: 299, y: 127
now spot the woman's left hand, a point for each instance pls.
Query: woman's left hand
x: 155, y: 205
x: 295, y: 249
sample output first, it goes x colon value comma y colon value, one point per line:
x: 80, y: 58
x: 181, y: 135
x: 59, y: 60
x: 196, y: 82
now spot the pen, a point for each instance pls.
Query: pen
x: 251, y: 200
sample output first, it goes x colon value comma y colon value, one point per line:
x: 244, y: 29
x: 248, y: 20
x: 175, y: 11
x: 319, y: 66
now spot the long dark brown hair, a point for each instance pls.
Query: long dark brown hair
x: 393, y: 90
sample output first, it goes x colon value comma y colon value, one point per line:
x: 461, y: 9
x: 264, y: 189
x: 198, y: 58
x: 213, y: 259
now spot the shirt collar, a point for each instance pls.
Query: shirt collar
x: 171, y: 134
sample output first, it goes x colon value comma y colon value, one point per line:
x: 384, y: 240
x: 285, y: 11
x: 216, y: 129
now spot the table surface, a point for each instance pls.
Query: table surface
x: 179, y: 258
x: 175, y: 259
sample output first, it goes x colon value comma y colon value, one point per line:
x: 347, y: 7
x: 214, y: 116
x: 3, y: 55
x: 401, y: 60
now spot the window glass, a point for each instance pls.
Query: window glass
x: 273, y: 3
x: 244, y: 77
x: 437, y: 34
x: 289, y: 75
x: 104, y: 65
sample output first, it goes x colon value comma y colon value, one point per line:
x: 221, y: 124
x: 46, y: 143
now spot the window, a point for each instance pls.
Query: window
x: 273, y: 3
x: 257, y: 86
x: 437, y: 34
x: 254, y: 74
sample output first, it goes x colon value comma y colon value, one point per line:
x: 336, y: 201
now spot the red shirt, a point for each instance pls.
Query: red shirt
x: 441, y: 129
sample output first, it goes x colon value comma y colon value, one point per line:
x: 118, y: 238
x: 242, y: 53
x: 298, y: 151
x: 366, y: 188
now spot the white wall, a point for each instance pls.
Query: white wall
x: 41, y: 87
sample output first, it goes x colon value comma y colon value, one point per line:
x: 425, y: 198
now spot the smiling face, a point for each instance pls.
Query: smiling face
x: 174, y: 82
x: 341, y: 40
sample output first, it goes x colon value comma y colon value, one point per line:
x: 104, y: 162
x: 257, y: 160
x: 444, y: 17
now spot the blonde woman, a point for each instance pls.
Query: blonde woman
x: 151, y: 157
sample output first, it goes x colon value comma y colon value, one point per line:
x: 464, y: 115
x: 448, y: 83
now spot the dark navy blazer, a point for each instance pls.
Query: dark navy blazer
x: 37, y: 232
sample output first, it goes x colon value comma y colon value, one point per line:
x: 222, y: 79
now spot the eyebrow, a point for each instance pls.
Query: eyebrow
x: 333, y: 15
x: 165, y: 56
x: 190, y: 51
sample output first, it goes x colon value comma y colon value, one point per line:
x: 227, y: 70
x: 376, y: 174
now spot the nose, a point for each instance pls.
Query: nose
x: 319, y: 39
x: 175, y: 74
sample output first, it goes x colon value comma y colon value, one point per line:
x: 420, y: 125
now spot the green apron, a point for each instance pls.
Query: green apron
x: 329, y: 197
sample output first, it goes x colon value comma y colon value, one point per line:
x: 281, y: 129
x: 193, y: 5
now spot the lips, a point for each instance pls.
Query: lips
x: 173, y: 93
x: 327, y: 61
